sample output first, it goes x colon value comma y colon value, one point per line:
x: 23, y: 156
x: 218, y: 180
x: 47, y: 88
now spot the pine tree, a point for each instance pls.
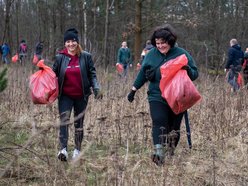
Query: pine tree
x: 3, y: 79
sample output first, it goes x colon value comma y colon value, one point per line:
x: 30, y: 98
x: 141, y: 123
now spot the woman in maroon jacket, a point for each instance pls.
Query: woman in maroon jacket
x: 76, y: 77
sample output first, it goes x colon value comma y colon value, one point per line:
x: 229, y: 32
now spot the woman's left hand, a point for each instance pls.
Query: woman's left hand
x: 186, y: 67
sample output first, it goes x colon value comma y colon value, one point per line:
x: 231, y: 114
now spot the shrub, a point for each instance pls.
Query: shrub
x: 3, y: 79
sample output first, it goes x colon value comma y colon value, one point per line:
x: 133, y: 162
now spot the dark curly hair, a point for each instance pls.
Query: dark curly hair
x: 167, y: 33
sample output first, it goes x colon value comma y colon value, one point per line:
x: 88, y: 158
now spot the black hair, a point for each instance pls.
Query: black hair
x: 167, y: 33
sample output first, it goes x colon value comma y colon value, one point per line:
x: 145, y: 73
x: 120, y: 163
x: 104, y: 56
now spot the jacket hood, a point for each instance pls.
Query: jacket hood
x: 65, y: 52
x: 237, y: 46
x: 149, y: 47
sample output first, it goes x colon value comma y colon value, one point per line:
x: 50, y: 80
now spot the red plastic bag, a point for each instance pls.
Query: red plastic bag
x: 171, y: 67
x: 15, y: 58
x: 176, y: 86
x: 240, y: 80
x: 35, y: 59
x: 119, y: 68
x: 43, y: 85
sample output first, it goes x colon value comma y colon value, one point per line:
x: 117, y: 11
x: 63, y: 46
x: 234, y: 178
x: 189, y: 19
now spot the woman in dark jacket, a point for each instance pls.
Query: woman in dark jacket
x: 166, y: 124
x: 76, y: 76
x: 234, y: 63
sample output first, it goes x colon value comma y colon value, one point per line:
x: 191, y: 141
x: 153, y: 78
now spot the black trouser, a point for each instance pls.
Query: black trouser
x: 65, y: 107
x: 166, y: 124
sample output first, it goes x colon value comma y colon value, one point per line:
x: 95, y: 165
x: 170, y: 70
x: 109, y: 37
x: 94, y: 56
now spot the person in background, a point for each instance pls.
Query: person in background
x: 1, y: 52
x: 246, y: 50
x: 234, y: 63
x: 124, y: 58
x: 5, y: 53
x: 39, y: 49
x: 245, y: 68
x: 76, y: 77
x: 22, y: 51
x: 165, y: 124
x: 147, y: 48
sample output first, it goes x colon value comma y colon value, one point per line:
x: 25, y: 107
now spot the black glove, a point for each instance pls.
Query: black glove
x: 130, y: 96
x: 186, y: 67
x: 150, y: 74
x: 98, y: 94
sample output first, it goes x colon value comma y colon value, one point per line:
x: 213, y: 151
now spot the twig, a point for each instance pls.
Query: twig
x: 30, y: 141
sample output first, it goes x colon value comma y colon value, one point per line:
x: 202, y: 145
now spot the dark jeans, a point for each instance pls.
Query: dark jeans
x: 22, y: 57
x: 166, y: 124
x: 232, y: 79
x: 66, y: 104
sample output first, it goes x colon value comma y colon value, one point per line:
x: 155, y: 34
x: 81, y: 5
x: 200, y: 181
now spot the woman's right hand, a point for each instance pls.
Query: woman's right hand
x: 130, y: 96
x: 186, y: 67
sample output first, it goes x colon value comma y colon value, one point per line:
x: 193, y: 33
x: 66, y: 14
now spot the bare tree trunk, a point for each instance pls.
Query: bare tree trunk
x: 54, y: 28
x: 94, y: 21
x: 62, y: 16
x: 106, y: 35
x: 6, y: 32
x: 39, y: 19
x: 85, y: 24
x: 137, y: 43
x: 80, y: 16
x: 17, y: 6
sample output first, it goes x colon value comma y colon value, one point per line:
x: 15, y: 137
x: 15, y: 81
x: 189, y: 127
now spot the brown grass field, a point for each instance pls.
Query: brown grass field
x: 117, y: 144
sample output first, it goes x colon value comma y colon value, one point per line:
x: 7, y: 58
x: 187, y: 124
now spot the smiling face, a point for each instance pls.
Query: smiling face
x: 162, y: 46
x: 71, y: 47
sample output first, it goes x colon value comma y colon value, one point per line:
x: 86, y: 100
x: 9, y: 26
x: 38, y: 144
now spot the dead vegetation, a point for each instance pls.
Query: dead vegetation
x: 117, y: 143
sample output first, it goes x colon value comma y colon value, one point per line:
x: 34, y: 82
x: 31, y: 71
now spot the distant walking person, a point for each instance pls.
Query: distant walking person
x: 145, y: 51
x: 245, y: 68
x: 124, y: 58
x: 233, y: 66
x: 76, y: 77
x: 5, y: 53
x: 22, y: 51
x: 147, y: 48
x: 1, y: 52
x: 39, y: 49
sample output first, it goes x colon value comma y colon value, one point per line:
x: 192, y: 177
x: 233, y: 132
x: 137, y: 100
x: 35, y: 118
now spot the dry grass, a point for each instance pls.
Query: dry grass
x: 117, y: 143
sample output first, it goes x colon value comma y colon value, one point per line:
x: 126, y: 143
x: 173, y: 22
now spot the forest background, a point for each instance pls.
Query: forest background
x: 117, y: 143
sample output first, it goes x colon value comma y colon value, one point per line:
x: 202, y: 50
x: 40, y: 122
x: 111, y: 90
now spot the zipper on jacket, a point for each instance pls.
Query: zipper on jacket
x: 61, y: 87
x: 81, y: 74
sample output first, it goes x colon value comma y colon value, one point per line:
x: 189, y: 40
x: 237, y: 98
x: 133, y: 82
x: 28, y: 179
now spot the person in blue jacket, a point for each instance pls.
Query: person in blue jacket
x: 165, y: 124
x: 5, y: 53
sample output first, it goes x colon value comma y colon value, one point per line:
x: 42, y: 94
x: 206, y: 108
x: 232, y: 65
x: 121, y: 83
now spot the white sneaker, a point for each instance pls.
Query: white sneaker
x: 63, y: 155
x: 75, y: 153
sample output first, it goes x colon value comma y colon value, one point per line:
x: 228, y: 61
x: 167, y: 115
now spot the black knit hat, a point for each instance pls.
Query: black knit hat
x: 71, y: 34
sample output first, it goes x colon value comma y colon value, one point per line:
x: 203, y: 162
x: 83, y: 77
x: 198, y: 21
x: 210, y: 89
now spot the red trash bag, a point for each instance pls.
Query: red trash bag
x: 176, y: 86
x: 119, y: 68
x: 15, y: 58
x: 43, y: 85
x: 35, y: 59
x: 240, y: 80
